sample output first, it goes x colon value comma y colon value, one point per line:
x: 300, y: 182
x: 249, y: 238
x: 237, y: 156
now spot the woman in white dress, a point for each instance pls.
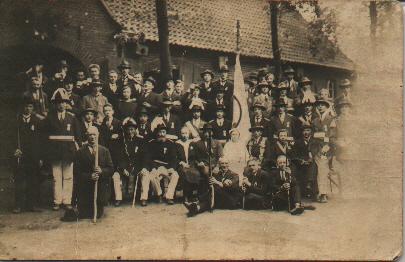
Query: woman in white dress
x: 236, y: 152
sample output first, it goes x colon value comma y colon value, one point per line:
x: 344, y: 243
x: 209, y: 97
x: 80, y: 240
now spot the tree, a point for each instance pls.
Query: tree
x: 164, y: 48
x: 274, y: 13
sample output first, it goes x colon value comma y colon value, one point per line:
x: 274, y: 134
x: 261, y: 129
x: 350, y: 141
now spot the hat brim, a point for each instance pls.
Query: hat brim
x: 89, y: 110
x: 252, y: 129
x: 207, y: 73
x: 322, y: 102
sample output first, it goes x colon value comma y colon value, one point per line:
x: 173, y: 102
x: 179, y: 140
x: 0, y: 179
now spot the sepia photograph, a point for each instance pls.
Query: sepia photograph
x: 201, y: 130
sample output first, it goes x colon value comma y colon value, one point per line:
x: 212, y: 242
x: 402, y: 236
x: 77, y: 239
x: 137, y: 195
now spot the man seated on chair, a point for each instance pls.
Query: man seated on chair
x: 227, y: 194
x: 285, y: 190
x: 161, y: 152
x: 129, y: 162
x: 255, y: 185
x: 88, y: 174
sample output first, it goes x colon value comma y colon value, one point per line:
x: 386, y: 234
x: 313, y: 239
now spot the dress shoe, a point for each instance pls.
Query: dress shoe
x: 68, y: 207
x: 17, y: 210
x: 170, y: 201
x: 297, y: 210
x: 117, y: 203
x: 144, y: 203
x: 323, y: 199
x: 55, y: 207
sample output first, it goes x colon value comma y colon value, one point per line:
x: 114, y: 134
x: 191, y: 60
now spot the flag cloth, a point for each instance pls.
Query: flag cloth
x: 240, y: 103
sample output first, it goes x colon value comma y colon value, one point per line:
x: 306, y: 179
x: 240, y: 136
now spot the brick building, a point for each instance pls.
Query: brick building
x: 202, y: 35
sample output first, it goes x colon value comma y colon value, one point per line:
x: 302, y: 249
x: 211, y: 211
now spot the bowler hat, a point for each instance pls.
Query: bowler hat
x: 167, y: 102
x: 207, y: 71
x: 89, y: 109
x: 143, y: 110
x: 124, y: 65
x: 127, y: 122
x: 282, y: 86
x: 196, y: 108
x: 281, y: 103
x: 161, y: 127
x: 151, y: 80
x: 258, y: 105
x: 305, y: 80
x: 256, y: 128
x: 322, y: 101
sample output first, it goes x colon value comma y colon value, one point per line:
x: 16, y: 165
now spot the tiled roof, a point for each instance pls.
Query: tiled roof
x: 211, y: 24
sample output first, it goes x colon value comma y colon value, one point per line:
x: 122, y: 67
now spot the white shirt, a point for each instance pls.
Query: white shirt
x: 61, y: 115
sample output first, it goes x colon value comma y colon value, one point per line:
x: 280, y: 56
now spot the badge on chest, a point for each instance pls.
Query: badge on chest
x: 33, y: 127
x: 165, y: 150
x: 68, y: 127
x: 224, y: 132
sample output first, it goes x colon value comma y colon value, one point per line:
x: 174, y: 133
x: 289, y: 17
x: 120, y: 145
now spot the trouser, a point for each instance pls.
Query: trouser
x: 255, y: 201
x: 123, y: 185
x: 323, y: 174
x: 280, y: 200
x: 62, y: 181
x: 223, y: 199
x: 307, y: 177
x: 170, y: 180
x: 26, y: 184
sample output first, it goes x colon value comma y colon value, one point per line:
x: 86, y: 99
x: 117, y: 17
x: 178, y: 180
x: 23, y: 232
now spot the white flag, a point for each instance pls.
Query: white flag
x: 240, y: 103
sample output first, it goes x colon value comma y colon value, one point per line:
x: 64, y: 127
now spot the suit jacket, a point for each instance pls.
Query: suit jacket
x: 260, y: 182
x: 199, y: 152
x: 229, y: 90
x: 126, y: 109
x: 61, y: 150
x: 210, y: 112
x: 41, y: 104
x: 327, y: 125
x: 195, y: 130
x: 112, y: 97
x: 97, y: 103
x: 176, y: 109
x: 30, y: 140
x: 257, y: 148
x: 277, y: 180
x: 109, y: 136
x: 145, y: 131
x: 303, y: 150
x: 75, y: 104
x: 84, y: 166
x: 289, y: 123
x: 82, y: 131
x: 155, y: 100
x: 222, y: 176
x: 131, y: 154
x: 173, y: 125
x: 221, y: 132
x: 272, y: 151
x: 161, y: 151
x: 265, y: 122
x: 206, y: 93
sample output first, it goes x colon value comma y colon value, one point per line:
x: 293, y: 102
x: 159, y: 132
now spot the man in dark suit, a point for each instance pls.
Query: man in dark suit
x: 112, y: 90
x: 258, y: 119
x: 170, y: 120
x: 39, y: 97
x: 162, y: 158
x: 88, y: 174
x: 256, y: 146
x: 206, y: 86
x: 149, y: 99
x: 75, y: 100
x: 110, y: 131
x: 281, y: 146
x: 87, y: 119
x: 127, y: 106
x: 221, y: 126
x: 227, y: 85
x: 129, y: 163
x: 220, y: 100
x: 255, y: 185
x: 284, y: 187
x: 144, y: 129
x: 282, y: 120
x: 28, y: 160
x: 62, y: 130
x: 304, y: 151
x: 307, y: 117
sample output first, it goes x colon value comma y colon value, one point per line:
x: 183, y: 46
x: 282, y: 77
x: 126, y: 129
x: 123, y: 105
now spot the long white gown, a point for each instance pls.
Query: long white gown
x: 237, y: 155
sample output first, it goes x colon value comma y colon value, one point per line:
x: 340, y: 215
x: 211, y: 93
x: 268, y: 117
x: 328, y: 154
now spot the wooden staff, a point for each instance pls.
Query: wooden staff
x: 212, y: 191
x: 95, y: 183
x: 136, y: 186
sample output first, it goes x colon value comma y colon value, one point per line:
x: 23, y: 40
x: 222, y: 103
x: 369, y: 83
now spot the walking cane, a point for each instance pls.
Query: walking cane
x: 136, y: 186
x: 210, y: 171
x: 95, y: 184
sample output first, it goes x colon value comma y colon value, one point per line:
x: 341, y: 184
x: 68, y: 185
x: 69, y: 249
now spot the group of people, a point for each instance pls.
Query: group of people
x: 129, y: 143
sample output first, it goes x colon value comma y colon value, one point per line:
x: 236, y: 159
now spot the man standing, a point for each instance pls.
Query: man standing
x: 256, y: 146
x: 207, y: 93
x: 88, y: 174
x: 282, y: 120
x: 255, y: 185
x: 95, y: 100
x: 227, y: 85
x: 74, y: 106
x: 126, y: 106
x: 258, y: 119
x: 285, y: 190
x: 126, y: 79
x: 281, y: 146
x: 28, y: 160
x: 345, y: 86
x: 111, y: 90
x: 291, y: 84
x: 196, y: 124
x: 161, y: 152
x: 149, y: 99
x: 167, y: 118
x: 219, y: 101
x: 61, y: 127
x: 221, y: 126
x: 144, y: 129
x: 39, y: 97
x: 88, y: 118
